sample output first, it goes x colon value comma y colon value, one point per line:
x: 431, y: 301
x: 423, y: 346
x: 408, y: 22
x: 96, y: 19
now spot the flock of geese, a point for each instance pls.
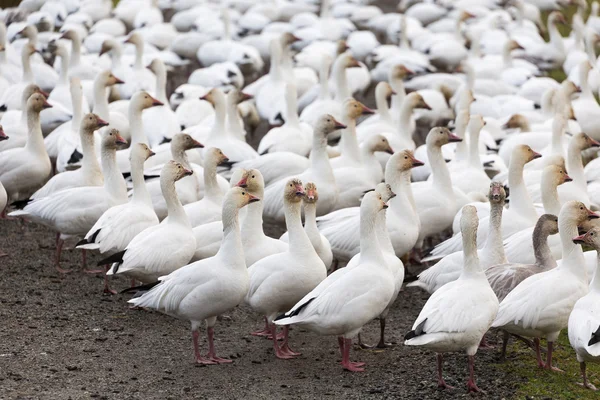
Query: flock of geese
x: 170, y: 193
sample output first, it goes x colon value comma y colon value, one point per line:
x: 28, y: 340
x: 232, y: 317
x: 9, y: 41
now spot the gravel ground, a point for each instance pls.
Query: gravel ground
x: 61, y: 338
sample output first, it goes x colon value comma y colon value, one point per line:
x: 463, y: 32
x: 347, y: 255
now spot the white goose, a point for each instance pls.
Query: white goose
x: 11, y: 99
x: 15, y: 121
x: 90, y: 173
x: 279, y: 281
x: 72, y: 212
x: 541, y: 304
x: 78, y: 67
x: 137, y: 77
x: 160, y: 249
x: 106, y: 80
x: 584, y: 323
x: 205, y: 289
x: 456, y: 317
x: 319, y: 172
x: 350, y: 154
x: 25, y: 170
x: 347, y: 300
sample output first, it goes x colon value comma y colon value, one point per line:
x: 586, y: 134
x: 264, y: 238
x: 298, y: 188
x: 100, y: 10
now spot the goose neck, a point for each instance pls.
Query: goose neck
x: 383, y: 236
x: 114, y: 184
x: 474, y: 159
x: 35, y: 139
x: 324, y: 80
x: 291, y: 114
x: 590, y: 49
x: 342, y: 90
x: 300, y: 245
x: 461, y: 127
x: 211, y: 185
x: 233, y: 120
x: 494, y: 247
x: 89, y: 166
x: 218, y: 128
x: 310, y: 223
x: 175, y: 210
x: 521, y: 201
x: 400, y: 181
x: 64, y: 69
x: 575, y: 165
x: 76, y: 100
x: 136, y: 127
x: 75, y: 52
x: 572, y: 254
x: 556, y: 145
x: 140, y: 191
x: 405, y: 118
x: 101, y: 99
x: 471, y: 257
x: 252, y: 224
x: 139, y: 55
x: 541, y: 250
x: 319, y: 159
x: 595, y: 285
x: 550, y: 198
x: 27, y: 72
x: 398, y: 98
x: 555, y: 38
x: 231, y: 248
x: 370, y: 249
x: 507, y: 57
x: 181, y: 157
x: 349, y: 142
x: 275, y: 72
x: 439, y: 169
x: 382, y: 107
x: 115, y: 58
x: 161, y: 85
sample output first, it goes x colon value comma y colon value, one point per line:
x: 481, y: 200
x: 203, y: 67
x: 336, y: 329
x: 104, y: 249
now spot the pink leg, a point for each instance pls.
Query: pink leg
x: 484, y: 345
x: 441, y: 382
x: 549, y: 359
x: 84, y: 265
x: 538, y: 355
x: 278, y: 352
x: 586, y: 384
x: 197, y: 356
x: 132, y: 282
x: 212, y: 355
x: 59, y: 245
x: 107, y: 289
x: 265, y: 332
x: 341, y: 344
x: 285, y: 347
x: 471, y: 385
x: 346, y: 363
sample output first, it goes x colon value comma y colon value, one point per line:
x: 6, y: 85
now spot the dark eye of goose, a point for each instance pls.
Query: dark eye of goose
x: 243, y: 193
x: 252, y: 176
x: 405, y: 157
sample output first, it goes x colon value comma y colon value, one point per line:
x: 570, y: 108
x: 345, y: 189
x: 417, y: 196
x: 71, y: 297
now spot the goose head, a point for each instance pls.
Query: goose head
x: 497, y: 194
x: 157, y: 66
x: 476, y: 123
x: 294, y: 191
x: 582, y: 141
x: 385, y: 190
x: 30, y: 32
x: 2, y: 134
x: 548, y: 224
x: 58, y: 49
x: 108, y: 79
x: 252, y: 180
x: 91, y: 123
x: 239, y: 197
x: 214, y: 157
x: 312, y: 194
x: 174, y: 171
x: 384, y: 90
x: 440, y: 136
x: 555, y: 175
x: 31, y: 89
x: 372, y: 202
x: 378, y: 142
x: 513, y: 45
x: 556, y: 17
x: 108, y: 45
x: 523, y: 154
x: 135, y: 38
x: 578, y: 213
x: 142, y: 100
x: 37, y: 102
x: 183, y: 141
x: 112, y: 140
x: 341, y: 47
x: 236, y: 96
x: 517, y: 121
x: 70, y: 34
x: 288, y: 38
x: 399, y: 72
x: 415, y: 100
x: 353, y: 109
x: 327, y: 124
x: 404, y: 161
x: 140, y: 152
x: 347, y: 60
x: 214, y: 96
x: 591, y: 237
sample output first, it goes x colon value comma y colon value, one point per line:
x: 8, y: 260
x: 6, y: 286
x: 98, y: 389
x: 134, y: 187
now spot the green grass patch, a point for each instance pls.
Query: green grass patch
x: 542, y: 384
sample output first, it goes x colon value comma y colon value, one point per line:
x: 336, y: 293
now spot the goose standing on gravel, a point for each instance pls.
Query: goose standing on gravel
x: 159, y: 249
x: 343, y: 307
x: 540, y: 305
x: 115, y: 229
x: 279, y: 281
x: 72, y: 212
x: 584, y: 321
x: 456, y: 316
x: 24, y: 170
x: 205, y: 289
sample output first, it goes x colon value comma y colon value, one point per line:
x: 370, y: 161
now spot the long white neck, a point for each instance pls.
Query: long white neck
x: 218, y: 128
x: 275, y: 72
x: 398, y: 98
x: 493, y: 248
x: 114, y: 184
x: 136, y: 127
x: 590, y: 48
x: 212, y: 190
x: 175, y: 210
x: 558, y: 128
x: 507, y: 57
x: 139, y: 55
x: 404, y: 202
x: 439, y: 169
x: 342, y: 91
x: 64, y: 69
x: 575, y: 165
x: 521, y: 202
x: 324, y: 80
x: 462, y: 119
x: 349, y: 143
x: 35, y: 139
x: 572, y: 254
x: 550, y: 198
x: 234, y: 124
x: 555, y: 38
x: 404, y: 129
x: 75, y: 51
x: 370, y: 249
x: 252, y: 224
x: 180, y: 155
x: 382, y: 106
x: 474, y: 159
x: 471, y: 267
x: 161, y: 83
x: 319, y: 160
x: 232, y: 249
x: 300, y: 245
x: 595, y: 284
x: 310, y: 224
x: 291, y: 111
x: 89, y: 166
x: 27, y: 72
x: 115, y: 57
x: 101, y: 99
x: 383, y: 236
x: 140, y: 191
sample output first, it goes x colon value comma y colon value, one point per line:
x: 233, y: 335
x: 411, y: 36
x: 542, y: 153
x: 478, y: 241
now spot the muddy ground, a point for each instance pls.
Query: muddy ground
x: 61, y: 338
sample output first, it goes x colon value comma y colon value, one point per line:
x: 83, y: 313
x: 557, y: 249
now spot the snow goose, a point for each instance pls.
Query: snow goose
x: 205, y: 289
x: 208, y: 209
x: 504, y: 278
x: 190, y: 188
x: 541, y: 304
x: 90, y: 173
x: 159, y: 249
x: 319, y: 172
x: 160, y: 122
x: 448, y: 269
x: 137, y: 77
x: 106, y: 80
x: 121, y: 223
x: 520, y: 215
x: 547, y: 55
x: 341, y: 307
x: 72, y: 212
x: 383, y: 120
x: 439, y: 193
x: 293, y: 136
x: 402, y: 218
x: 15, y: 121
x: 350, y: 154
x: 279, y: 281
x: 78, y: 67
x: 42, y: 74
x: 586, y: 108
x: 456, y: 316
x: 11, y: 98
x: 319, y: 242
x: 25, y: 170
x: 584, y: 323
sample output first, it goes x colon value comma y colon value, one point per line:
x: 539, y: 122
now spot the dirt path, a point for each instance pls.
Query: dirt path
x: 60, y: 338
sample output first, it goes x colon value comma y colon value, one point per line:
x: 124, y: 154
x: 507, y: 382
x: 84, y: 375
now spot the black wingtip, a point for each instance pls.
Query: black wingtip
x: 92, y: 239
x: 148, y: 177
x: 296, y: 311
x: 115, y: 258
x: 3, y: 108
x: 126, y: 175
x: 418, y: 331
x: 165, y: 140
x: 145, y: 287
x: 20, y: 204
x: 227, y: 164
x: 75, y: 157
x: 595, y: 337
